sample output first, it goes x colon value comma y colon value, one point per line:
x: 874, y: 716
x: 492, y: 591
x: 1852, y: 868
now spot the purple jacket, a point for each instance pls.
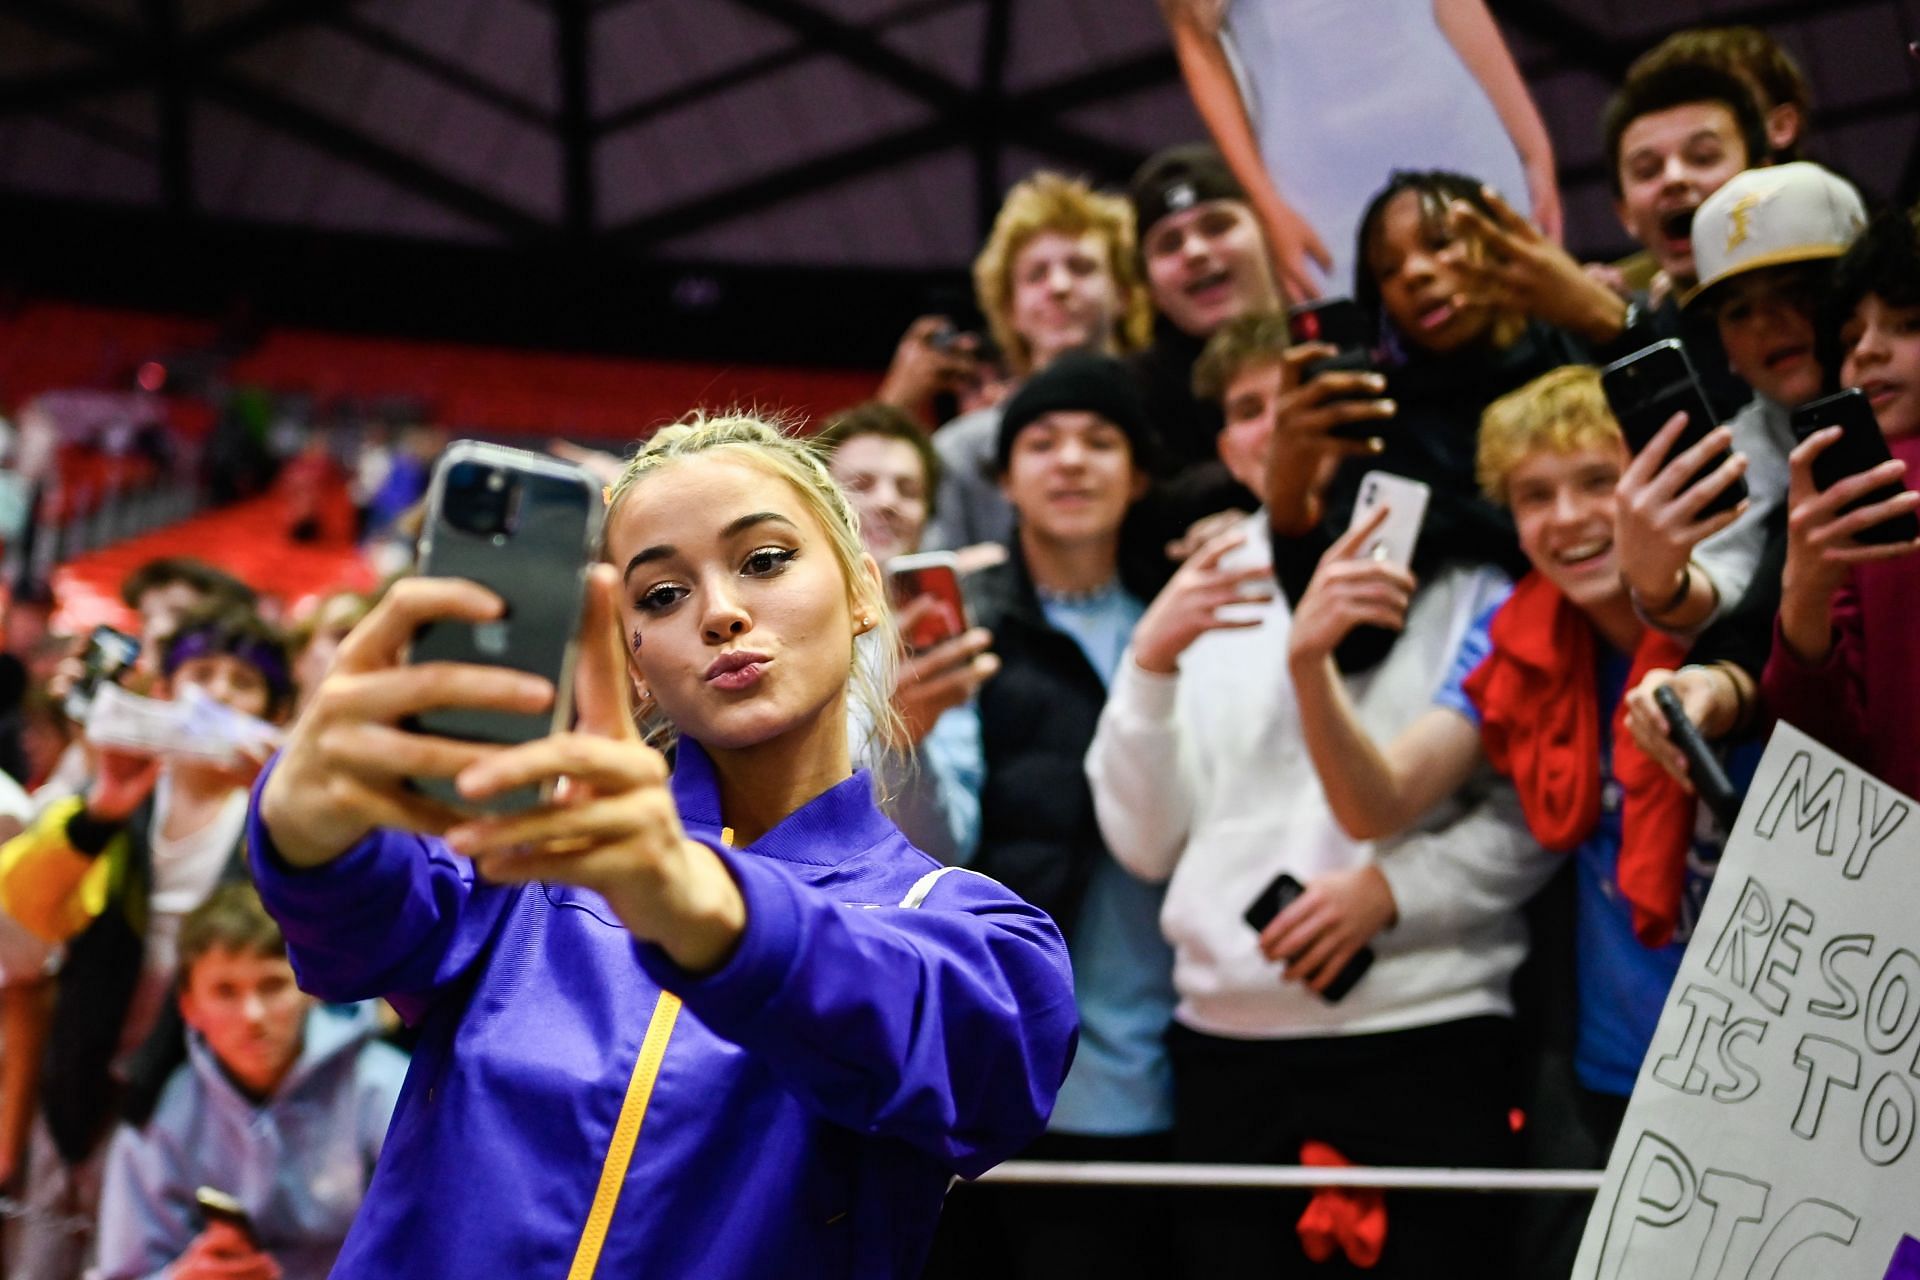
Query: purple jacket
x: 814, y: 1096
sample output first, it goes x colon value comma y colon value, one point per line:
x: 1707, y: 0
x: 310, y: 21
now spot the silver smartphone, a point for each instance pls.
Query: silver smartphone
x: 523, y: 525
x: 1406, y: 503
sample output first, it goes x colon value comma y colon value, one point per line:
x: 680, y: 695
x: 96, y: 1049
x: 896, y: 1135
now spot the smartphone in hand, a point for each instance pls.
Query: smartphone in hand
x: 1646, y: 389
x: 1710, y: 781
x: 217, y: 1206
x: 1861, y: 447
x: 523, y: 525
x: 108, y: 653
x: 1273, y: 899
x: 935, y: 575
x: 1406, y: 503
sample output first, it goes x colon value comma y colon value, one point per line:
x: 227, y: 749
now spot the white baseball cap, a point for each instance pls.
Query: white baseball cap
x: 1771, y: 217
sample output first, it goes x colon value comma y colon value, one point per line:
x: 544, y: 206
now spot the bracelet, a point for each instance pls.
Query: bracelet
x: 1680, y: 594
x: 1741, y: 704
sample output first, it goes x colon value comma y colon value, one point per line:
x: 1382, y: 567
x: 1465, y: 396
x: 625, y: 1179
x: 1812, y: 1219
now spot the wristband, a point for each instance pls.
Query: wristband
x: 1741, y: 706
x: 1678, y: 598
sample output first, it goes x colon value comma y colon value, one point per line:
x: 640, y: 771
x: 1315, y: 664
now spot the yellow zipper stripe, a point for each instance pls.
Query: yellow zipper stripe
x: 626, y: 1132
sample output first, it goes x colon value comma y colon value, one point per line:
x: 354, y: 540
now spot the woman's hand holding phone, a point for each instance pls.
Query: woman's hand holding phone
x: 1348, y: 590
x: 344, y: 770
x: 1189, y: 605
x: 613, y: 826
x: 1820, y: 540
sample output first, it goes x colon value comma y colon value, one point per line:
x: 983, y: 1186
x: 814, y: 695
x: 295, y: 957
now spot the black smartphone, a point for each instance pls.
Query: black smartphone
x: 1649, y: 387
x: 109, y: 652
x: 1861, y: 447
x: 1273, y: 899
x: 1710, y: 781
x: 524, y: 526
x: 217, y: 1206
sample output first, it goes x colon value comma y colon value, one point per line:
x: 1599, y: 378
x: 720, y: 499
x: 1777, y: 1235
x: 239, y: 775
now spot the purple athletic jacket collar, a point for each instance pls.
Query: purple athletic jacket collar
x: 813, y: 1097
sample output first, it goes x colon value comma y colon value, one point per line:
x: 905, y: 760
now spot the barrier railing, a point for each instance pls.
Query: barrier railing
x: 1147, y: 1174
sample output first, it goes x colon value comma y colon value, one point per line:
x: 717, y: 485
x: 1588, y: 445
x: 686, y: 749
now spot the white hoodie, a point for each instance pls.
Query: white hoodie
x: 1203, y: 779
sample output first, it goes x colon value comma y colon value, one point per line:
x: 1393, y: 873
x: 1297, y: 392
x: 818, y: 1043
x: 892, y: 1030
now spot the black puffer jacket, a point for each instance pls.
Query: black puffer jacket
x: 1038, y: 834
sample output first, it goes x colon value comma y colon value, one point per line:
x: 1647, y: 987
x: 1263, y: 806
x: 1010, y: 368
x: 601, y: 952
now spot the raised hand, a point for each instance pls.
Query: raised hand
x: 345, y: 766
x: 1347, y: 591
x: 1524, y: 269
x: 1820, y: 546
x: 1189, y: 605
x: 613, y: 826
x: 1658, y: 521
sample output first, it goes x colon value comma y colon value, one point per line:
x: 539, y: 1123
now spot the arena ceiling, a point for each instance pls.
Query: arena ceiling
x: 691, y: 145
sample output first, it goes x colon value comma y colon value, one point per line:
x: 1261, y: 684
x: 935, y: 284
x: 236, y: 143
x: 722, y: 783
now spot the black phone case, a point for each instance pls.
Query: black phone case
x: 1649, y: 387
x: 1860, y: 448
x: 540, y: 570
x: 1710, y: 781
x: 1272, y: 900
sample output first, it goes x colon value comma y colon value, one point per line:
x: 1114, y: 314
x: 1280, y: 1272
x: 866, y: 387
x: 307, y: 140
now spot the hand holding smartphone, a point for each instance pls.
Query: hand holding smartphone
x: 524, y: 526
x: 1406, y: 502
x: 1860, y: 448
x: 935, y: 577
x: 1272, y: 900
x: 1646, y: 389
x: 1710, y: 781
x: 1338, y: 322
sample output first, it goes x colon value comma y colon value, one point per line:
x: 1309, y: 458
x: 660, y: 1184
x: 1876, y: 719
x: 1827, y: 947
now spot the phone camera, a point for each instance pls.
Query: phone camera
x: 482, y: 500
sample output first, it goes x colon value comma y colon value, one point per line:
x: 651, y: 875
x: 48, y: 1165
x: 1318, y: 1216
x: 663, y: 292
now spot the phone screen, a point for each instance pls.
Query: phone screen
x: 944, y: 616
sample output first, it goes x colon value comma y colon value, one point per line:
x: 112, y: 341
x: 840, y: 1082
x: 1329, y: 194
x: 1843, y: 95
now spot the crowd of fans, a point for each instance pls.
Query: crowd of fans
x: 1182, y: 671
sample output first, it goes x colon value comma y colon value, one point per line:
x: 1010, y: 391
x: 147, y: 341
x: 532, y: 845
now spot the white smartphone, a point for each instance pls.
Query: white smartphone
x: 1406, y: 504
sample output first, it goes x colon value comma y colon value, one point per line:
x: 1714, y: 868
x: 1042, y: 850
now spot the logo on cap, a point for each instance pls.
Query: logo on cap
x: 1181, y: 195
x: 1740, y: 217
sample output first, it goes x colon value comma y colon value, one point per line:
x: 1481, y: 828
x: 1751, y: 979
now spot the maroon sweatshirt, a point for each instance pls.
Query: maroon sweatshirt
x: 1864, y: 700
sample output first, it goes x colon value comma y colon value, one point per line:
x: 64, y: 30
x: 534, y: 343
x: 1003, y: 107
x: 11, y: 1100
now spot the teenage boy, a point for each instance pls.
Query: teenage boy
x: 1071, y: 456
x: 111, y: 872
x: 1206, y: 263
x: 283, y: 1104
x: 929, y: 783
x: 1201, y: 782
x: 1765, y: 243
x: 1058, y: 273
x: 1847, y: 646
x: 1535, y: 687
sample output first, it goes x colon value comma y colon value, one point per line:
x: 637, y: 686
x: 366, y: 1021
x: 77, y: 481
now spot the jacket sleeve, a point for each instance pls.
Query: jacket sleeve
x: 49, y: 886
x: 1479, y: 867
x: 1142, y: 794
x: 1825, y: 699
x: 398, y: 915
x: 948, y: 1026
x: 146, y: 1208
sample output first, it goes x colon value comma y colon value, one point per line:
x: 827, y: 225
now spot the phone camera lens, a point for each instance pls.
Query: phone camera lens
x: 480, y: 500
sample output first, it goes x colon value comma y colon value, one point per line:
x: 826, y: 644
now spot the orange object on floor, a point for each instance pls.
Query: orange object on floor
x: 1350, y: 1220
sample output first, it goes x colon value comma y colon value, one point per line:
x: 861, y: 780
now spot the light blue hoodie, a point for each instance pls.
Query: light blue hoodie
x: 300, y: 1161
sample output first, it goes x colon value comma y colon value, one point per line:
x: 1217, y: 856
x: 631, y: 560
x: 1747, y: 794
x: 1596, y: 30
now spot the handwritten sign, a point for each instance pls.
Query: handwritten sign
x: 1771, y: 1135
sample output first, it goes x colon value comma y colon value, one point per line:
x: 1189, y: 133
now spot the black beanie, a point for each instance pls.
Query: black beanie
x: 1080, y: 381
x: 1179, y: 178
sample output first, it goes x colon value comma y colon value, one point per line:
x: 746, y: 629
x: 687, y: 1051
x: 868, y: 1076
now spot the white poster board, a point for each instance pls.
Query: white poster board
x: 1771, y: 1134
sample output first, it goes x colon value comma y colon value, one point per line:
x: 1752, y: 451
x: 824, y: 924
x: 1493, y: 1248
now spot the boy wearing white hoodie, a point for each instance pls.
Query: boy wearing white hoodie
x: 1201, y: 779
